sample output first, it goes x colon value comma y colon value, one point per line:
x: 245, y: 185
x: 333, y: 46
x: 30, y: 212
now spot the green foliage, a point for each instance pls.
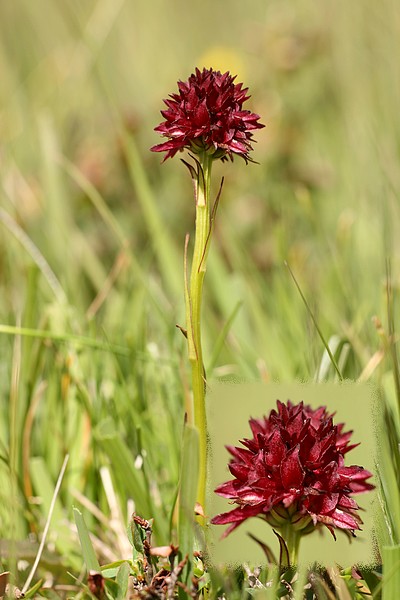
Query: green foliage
x: 89, y: 556
x: 391, y: 571
x: 187, y: 495
x: 91, y: 253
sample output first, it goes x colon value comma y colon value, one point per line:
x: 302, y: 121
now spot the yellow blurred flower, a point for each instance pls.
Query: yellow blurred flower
x: 224, y: 59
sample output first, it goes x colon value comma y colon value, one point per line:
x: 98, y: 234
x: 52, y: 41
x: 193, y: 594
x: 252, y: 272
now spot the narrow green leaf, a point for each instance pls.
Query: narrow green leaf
x: 122, y: 580
x: 89, y: 556
x: 222, y: 337
x: 65, y: 337
x: 122, y: 460
x: 188, y: 491
x: 283, y: 551
x: 44, y: 487
x: 32, y: 591
x: 35, y: 255
x: 266, y: 549
x: 128, y: 477
x: 340, y: 350
x: 164, y: 248
x: 321, y: 335
x: 391, y: 572
x: 96, y: 199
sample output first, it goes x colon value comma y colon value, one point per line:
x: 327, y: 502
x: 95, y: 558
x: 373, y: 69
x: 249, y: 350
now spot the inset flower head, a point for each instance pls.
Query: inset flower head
x: 206, y: 115
x: 292, y: 469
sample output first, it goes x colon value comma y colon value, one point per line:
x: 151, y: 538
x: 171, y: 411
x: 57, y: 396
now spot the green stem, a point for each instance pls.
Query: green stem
x: 292, y: 539
x: 193, y: 314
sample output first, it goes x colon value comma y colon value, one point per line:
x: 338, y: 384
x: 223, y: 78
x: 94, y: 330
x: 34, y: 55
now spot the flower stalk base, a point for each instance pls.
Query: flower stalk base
x: 292, y: 539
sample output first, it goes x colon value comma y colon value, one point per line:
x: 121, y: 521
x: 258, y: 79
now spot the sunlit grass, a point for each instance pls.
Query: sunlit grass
x: 92, y: 234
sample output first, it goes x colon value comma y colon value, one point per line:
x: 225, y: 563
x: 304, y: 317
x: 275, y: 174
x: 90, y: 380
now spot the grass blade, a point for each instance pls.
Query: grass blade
x: 89, y: 556
x: 188, y: 491
x: 130, y: 479
x: 321, y: 335
x: 391, y: 572
x: 164, y: 249
x: 64, y: 337
x: 46, y: 528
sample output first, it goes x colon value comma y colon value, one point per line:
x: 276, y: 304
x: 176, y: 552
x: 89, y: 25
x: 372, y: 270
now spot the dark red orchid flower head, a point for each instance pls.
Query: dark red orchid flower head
x: 206, y: 115
x: 293, y: 469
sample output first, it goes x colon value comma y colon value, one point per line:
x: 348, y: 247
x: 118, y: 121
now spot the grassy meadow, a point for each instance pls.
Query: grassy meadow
x: 92, y: 230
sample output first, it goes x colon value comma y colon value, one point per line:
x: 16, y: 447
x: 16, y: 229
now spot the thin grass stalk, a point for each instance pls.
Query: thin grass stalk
x: 47, y: 526
x: 13, y: 450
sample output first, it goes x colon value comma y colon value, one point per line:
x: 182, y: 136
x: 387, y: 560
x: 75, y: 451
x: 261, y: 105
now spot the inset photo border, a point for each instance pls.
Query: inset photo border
x: 230, y: 407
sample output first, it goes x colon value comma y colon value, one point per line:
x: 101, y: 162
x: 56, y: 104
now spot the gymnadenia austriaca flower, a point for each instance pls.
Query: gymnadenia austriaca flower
x: 292, y: 474
x: 206, y: 117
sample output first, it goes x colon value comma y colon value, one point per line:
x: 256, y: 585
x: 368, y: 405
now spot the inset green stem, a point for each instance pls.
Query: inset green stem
x: 292, y: 539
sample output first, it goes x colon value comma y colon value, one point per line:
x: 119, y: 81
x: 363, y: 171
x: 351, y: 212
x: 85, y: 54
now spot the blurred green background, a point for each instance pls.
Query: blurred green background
x: 324, y: 79
x: 92, y: 228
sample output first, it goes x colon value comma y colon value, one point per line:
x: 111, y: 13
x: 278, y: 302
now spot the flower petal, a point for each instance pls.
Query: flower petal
x: 292, y: 472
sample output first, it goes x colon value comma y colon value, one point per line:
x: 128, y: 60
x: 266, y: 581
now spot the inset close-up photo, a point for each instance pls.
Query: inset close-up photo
x: 298, y: 484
